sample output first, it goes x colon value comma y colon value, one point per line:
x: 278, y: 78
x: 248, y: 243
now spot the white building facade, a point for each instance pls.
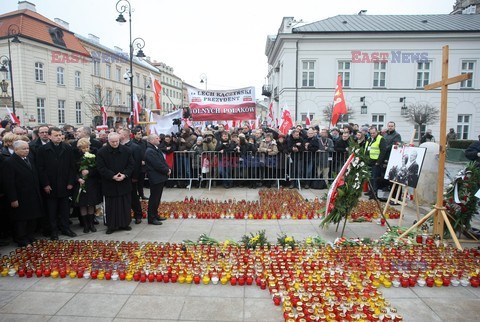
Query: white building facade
x: 304, y: 62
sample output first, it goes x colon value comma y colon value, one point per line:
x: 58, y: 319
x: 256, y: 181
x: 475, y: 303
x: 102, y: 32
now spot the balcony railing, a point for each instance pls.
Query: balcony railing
x: 266, y: 90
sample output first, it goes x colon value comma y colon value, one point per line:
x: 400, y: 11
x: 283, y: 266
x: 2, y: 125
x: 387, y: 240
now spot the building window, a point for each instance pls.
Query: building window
x: 129, y: 103
x: 60, y: 76
x: 378, y: 120
x: 308, y: 73
x: 419, y: 131
x: 379, y: 74
x: 39, y: 72
x: 118, y: 74
x: 304, y: 117
x: 145, y: 82
x: 137, y: 79
x: 344, y: 72
x: 98, y: 95
x: 118, y: 98
x: 61, y: 112
x: 108, y: 98
x: 463, y: 126
x: 467, y: 67
x: 108, y: 70
x: 96, y: 67
x: 423, y: 74
x: 77, y: 79
x: 41, y: 110
x: 78, y: 112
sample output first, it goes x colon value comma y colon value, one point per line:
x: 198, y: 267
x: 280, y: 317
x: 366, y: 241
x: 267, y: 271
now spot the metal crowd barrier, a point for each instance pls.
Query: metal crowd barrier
x: 232, y: 166
x: 314, y: 166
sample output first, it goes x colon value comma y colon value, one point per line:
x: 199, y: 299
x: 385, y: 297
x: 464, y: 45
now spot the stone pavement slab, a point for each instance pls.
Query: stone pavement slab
x: 94, y: 305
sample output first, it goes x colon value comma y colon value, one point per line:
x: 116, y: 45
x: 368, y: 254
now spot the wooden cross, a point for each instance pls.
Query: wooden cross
x: 440, y: 216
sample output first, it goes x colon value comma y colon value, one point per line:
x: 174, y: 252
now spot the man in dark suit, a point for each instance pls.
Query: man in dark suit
x: 158, y: 172
x: 137, y: 159
x: 115, y: 164
x: 23, y: 193
x: 42, y: 139
x: 138, y: 140
x: 56, y: 171
x: 412, y: 172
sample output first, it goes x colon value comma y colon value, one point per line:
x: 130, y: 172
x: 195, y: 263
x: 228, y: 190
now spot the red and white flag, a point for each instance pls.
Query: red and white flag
x: 307, y: 120
x: 137, y: 109
x: 339, y: 106
x: 157, y: 91
x: 287, y: 122
x: 13, y: 117
x: 337, y: 183
x: 104, y: 115
x: 270, y: 119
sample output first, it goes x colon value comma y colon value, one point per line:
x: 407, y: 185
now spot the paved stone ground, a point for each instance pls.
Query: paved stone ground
x: 46, y: 299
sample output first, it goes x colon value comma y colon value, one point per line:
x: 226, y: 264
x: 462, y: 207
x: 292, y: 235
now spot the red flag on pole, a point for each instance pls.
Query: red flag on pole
x: 136, y: 109
x: 339, y: 106
x: 157, y: 90
x: 287, y: 122
x: 270, y: 115
x: 13, y: 117
x: 307, y: 120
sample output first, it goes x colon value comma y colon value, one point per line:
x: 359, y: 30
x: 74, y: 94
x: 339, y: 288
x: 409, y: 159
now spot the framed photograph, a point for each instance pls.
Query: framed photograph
x: 405, y: 165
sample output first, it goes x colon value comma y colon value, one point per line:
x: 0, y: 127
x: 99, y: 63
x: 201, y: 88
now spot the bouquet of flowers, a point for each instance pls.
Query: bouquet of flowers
x: 87, y: 162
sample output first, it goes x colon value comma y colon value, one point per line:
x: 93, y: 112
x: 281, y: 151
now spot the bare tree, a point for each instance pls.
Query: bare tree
x: 328, y: 110
x: 94, y: 101
x: 422, y: 114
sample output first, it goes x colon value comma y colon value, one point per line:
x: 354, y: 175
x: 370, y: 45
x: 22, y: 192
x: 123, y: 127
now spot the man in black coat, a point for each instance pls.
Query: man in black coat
x: 158, y: 172
x: 296, y: 146
x: 42, y: 139
x: 138, y: 140
x: 56, y: 172
x: 115, y: 164
x: 412, y: 171
x: 23, y: 193
x: 137, y: 158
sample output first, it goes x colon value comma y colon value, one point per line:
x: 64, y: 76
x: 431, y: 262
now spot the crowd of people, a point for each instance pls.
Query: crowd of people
x: 51, y: 174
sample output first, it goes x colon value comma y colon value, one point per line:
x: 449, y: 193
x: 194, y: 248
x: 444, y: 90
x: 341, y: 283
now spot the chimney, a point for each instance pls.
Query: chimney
x: 22, y: 5
x: 94, y: 38
x: 62, y: 23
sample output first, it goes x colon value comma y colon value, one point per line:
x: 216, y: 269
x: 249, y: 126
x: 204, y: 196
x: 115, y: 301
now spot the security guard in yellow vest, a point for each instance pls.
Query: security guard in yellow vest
x: 376, y: 147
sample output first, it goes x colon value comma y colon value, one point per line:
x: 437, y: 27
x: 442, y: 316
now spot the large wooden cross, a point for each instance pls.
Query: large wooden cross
x: 440, y: 216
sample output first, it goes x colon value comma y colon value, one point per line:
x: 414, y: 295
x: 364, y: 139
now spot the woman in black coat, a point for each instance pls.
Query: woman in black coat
x: 22, y: 189
x: 87, y: 190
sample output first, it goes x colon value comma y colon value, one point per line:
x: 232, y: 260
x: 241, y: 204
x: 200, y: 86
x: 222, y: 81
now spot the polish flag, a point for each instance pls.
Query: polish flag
x: 339, y: 106
x: 104, y: 115
x: 307, y: 120
x: 13, y: 117
x: 137, y: 109
x: 287, y: 122
x: 270, y: 121
x: 157, y: 90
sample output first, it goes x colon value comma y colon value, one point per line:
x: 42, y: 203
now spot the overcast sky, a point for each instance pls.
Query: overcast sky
x: 223, y: 39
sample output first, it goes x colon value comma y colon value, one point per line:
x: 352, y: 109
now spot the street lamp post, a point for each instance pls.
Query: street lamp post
x: 204, y: 79
x: 13, y: 32
x: 122, y: 6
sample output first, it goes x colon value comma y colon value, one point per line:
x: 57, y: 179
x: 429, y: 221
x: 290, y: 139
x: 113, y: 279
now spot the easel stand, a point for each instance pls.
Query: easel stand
x: 439, y: 214
x: 403, y: 201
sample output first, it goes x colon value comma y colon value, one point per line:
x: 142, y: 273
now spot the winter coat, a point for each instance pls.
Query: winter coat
x: 56, y: 171
x: 111, y: 161
x: 21, y: 184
